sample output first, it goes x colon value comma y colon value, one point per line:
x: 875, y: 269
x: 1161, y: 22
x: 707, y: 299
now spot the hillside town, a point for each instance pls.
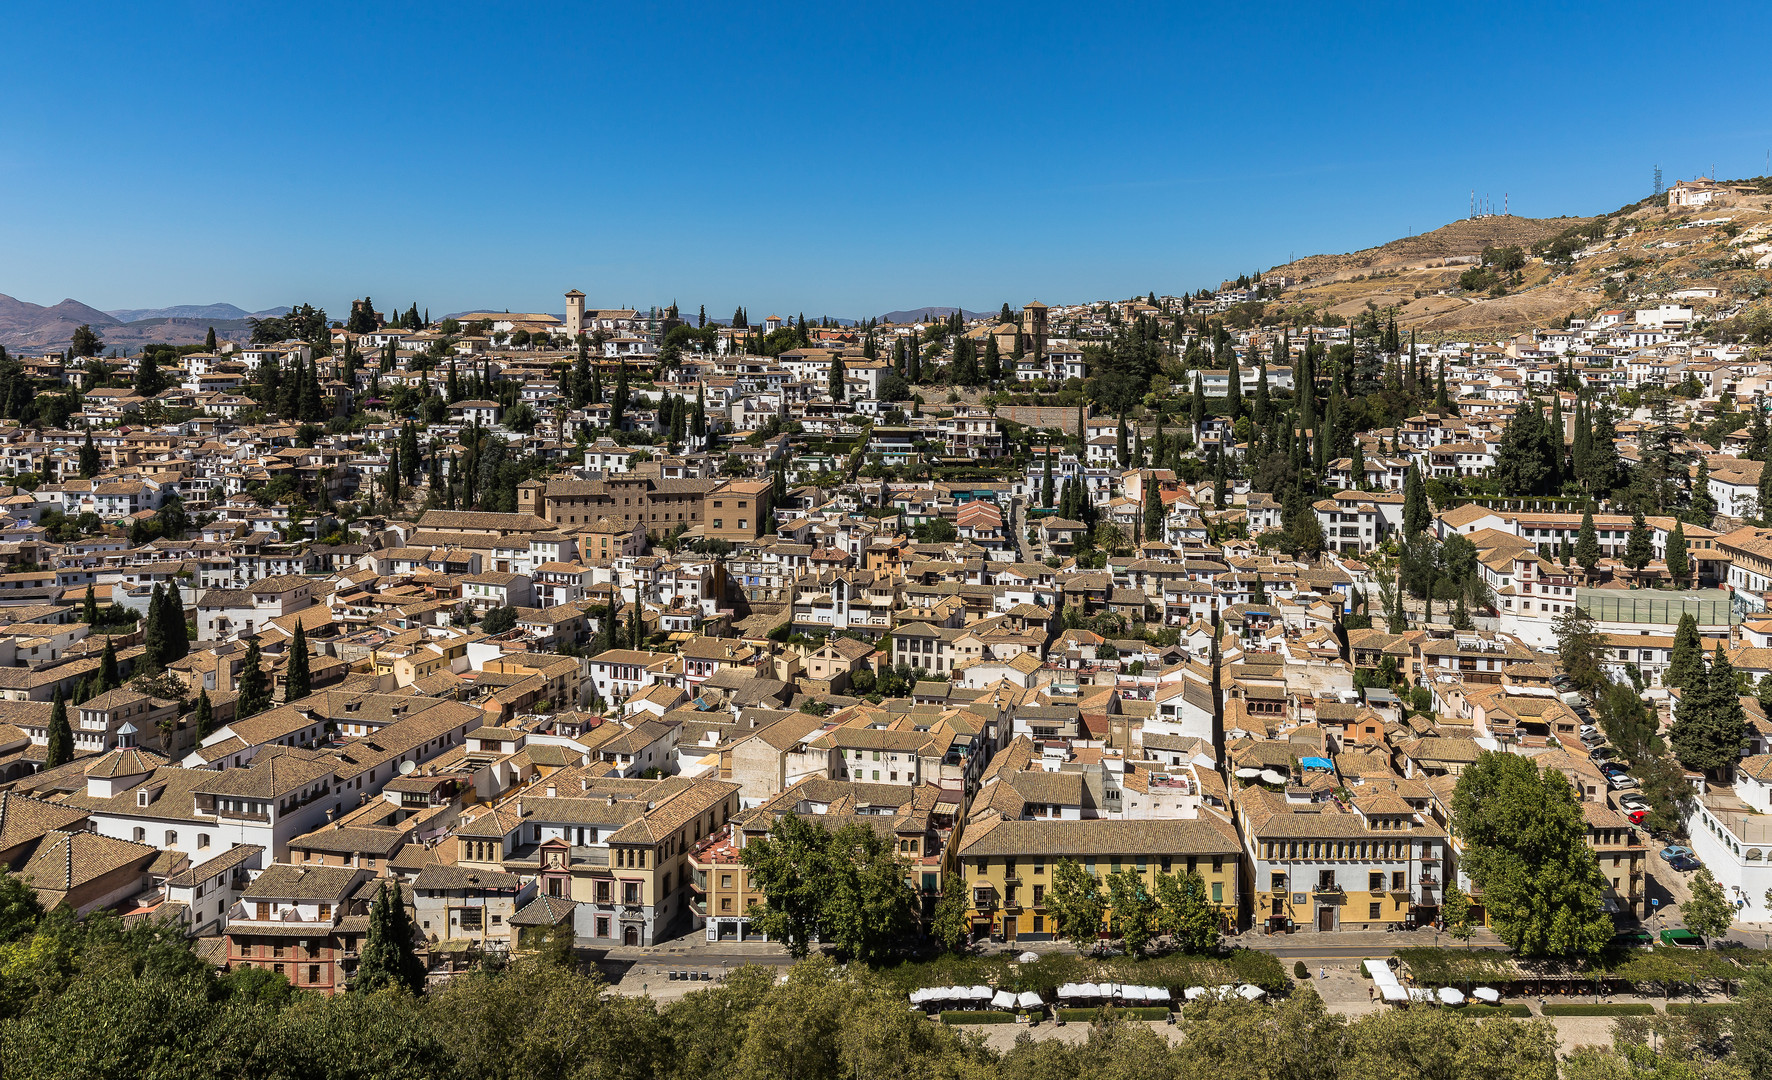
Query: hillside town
x: 553, y: 621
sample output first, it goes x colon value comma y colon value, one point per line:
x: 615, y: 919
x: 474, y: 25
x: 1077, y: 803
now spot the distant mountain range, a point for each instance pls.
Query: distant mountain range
x: 34, y: 327
x: 195, y: 311
x: 923, y: 314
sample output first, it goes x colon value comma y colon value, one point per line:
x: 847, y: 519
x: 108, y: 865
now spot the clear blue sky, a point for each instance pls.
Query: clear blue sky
x: 828, y: 158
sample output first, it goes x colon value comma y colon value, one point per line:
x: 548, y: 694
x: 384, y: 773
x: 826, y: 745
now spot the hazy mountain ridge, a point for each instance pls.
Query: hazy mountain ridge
x: 221, y: 312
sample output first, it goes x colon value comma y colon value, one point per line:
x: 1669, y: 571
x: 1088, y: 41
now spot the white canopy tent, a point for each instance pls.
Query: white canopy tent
x: 1250, y: 992
x: 1484, y: 993
x: 1386, y: 981
x: 1029, y: 1000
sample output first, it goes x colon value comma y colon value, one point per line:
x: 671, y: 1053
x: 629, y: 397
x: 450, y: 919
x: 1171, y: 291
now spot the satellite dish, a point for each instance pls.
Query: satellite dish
x: 407, y: 768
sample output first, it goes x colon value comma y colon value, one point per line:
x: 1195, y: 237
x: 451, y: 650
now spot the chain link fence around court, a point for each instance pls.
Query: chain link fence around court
x: 1710, y: 607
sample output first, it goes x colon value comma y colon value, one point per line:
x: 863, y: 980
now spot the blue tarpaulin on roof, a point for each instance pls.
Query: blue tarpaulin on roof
x: 1317, y: 763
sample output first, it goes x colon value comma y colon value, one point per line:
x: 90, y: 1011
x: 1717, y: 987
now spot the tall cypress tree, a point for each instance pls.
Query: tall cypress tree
x: 387, y: 961
x: 1416, y: 517
x: 204, y: 718
x: 154, y: 632
x: 1685, y: 667
x: 89, y: 608
x: 1046, y: 478
x: 60, y: 749
x: 1587, y: 543
x: 1153, y: 510
x: 254, y: 688
x: 108, y: 679
x: 1679, y: 566
x: 297, y: 682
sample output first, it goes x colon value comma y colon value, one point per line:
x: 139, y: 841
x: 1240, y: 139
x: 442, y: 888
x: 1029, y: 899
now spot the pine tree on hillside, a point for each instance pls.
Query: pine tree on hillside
x: 60, y: 749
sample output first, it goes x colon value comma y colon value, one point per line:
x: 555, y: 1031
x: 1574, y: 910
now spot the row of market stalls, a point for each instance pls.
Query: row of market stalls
x: 1393, y: 992
x: 1073, y: 995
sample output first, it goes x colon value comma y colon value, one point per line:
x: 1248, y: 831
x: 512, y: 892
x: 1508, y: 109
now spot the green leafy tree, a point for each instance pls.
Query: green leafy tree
x: 948, y: 924
x: 86, y: 341
x: 388, y: 961
x: 1581, y: 648
x: 1526, y: 846
x: 844, y: 886
x: 1455, y: 910
x: 1132, y: 910
x: 60, y: 749
x: 1184, y: 914
x: 1753, y: 1020
x: 20, y: 910
x: 1708, y: 913
x: 1076, y: 902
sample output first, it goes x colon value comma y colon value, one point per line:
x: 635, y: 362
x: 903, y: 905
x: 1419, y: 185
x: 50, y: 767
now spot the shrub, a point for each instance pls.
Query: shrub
x: 1517, y: 1012
x: 1608, y: 1009
x: 1724, y: 1008
x: 1299, y: 971
x: 961, y: 1016
x: 1105, y: 1012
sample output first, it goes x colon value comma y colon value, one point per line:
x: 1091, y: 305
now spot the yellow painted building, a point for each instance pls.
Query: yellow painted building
x: 1007, y: 866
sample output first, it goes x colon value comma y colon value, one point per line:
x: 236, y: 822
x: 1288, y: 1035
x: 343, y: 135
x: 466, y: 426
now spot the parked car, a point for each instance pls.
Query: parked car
x: 1613, y: 768
x: 1601, y: 753
x: 1632, y: 801
x: 1619, y: 781
x: 1675, y: 851
x: 1636, y: 817
x: 1682, y: 939
x: 1685, y: 864
x: 1562, y: 681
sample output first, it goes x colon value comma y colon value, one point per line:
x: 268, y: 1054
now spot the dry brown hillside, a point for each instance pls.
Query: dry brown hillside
x: 1647, y: 253
x: 1467, y: 237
